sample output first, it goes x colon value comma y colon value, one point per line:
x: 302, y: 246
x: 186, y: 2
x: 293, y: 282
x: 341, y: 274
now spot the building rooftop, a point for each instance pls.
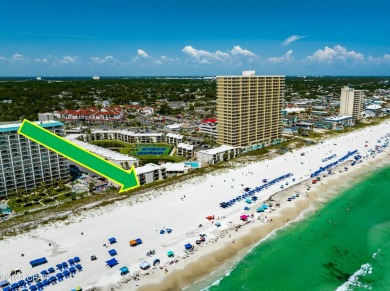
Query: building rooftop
x: 185, y: 146
x: 174, y: 135
x: 14, y: 126
x: 337, y: 118
x: 102, y: 152
x: 175, y: 167
x: 217, y: 150
x: 147, y: 168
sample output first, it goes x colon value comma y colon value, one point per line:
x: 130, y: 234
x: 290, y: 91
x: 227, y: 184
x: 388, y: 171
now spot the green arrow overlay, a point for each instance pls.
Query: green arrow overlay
x: 128, y: 179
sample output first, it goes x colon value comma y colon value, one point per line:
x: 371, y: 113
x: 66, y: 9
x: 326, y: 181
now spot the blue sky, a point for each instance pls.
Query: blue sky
x: 157, y: 37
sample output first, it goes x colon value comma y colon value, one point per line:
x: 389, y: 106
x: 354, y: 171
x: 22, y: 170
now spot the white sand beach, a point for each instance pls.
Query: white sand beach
x: 183, y: 207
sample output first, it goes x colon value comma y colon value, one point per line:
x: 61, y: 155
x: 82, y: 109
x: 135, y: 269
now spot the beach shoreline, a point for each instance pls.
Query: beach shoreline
x: 184, y: 207
x: 202, y: 264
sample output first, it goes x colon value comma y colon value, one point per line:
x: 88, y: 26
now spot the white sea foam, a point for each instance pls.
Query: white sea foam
x: 353, y: 281
x: 376, y: 253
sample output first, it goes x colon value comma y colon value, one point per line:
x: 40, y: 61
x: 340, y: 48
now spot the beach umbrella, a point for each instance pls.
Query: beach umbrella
x: 58, y: 266
x: 70, y: 261
x: 248, y: 201
x: 156, y: 261
x: 44, y: 272
x: 76, y: 259
x: 170, y: 254
x: 46, y: 282
x: 15, y: 286
x: 162, y: 231
x: 169, y: 230
x: 52, y: 279
x: 78, y: 288
x: 218, y: 224
x: 72, y: 270
x: 66, y: 273
x: 59, y: 275
x: 33, y: 288
x: 246, y: 208
x: 78, y: 267
x: 64, y: 264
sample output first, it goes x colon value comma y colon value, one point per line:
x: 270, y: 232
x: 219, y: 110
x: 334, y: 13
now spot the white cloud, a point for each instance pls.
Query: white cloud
x: 237, y: 50
x: 17, y: 57
x: 292, y: 38
x: 106, y: 59
x: 206, y: 57
x: 3, y: 58
x: 142, y: 54
x: 337, y: 53
x: 379, y: 60
x: 166, y: 60
x: 286, y: 58
x: 68, y: 60
x: 41, y: 60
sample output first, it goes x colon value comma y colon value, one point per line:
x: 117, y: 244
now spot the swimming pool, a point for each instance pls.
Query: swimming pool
x: 192, y: 164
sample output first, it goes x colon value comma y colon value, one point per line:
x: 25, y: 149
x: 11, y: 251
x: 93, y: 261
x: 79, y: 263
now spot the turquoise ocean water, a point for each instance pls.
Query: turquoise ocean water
x: 345, y: 245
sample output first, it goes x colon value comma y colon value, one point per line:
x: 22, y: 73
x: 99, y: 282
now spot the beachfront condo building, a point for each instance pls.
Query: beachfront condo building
x: 24, y: 164
x: 249, y: 109
x: 351, y: 102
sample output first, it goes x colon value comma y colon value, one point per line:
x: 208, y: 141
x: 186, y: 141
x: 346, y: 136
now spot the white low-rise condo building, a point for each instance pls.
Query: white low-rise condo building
x: 24, y: 164
x: 128, y: 136
x: 173, y: 138
x: 119, y: 159
x: 213, y: 156
x: 150, y: 173
x: 185, y: 150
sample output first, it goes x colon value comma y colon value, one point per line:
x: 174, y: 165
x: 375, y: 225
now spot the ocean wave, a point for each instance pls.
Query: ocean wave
x: 353, y: 281
x: 376, y: 253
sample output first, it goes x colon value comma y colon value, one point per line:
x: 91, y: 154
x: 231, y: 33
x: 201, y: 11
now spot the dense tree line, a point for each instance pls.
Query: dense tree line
x: 29, y: 97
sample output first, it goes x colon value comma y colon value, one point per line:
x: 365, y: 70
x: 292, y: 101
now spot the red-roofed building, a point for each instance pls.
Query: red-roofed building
x: 93, y: 114
x: 209, y: 126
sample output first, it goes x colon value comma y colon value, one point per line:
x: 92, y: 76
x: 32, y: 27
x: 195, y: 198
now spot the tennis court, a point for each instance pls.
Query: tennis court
x: 151, y: 150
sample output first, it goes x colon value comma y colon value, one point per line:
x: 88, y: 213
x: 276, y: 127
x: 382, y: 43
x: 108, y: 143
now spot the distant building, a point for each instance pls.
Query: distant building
x: 185, y: 150
x: 339, y: 121
x: 25, y: 164
x: 173, y: 138
x: 249, y: 109
x: 128, y: 136
x: 209, y: 126
x: 45, y: 116
x: 213, y: 156
x: 351, y: 102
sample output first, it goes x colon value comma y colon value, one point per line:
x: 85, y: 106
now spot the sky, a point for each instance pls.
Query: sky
x: 190, y: 38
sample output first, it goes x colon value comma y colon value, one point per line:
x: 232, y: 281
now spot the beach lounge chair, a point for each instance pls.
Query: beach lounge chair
x: 78, y: 267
